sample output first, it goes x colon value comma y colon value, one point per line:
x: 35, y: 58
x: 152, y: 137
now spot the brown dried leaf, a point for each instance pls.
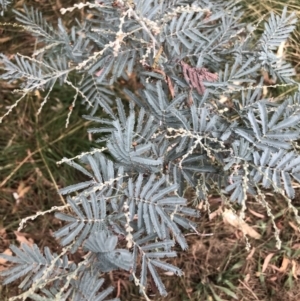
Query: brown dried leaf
x: 267, y: 79
x: 19, y: 4
x: 295, y: 269
x: 167, y: 79
x: 266, y: 261
x: 5, y: 39
x: 170, y: 86
x: 22, y: 189
x: 196, y: 76
x: 247, y: 278
x: 156, y: 58
x: 169, y: 273
x: 296, y: 228
x: 38, y: 95
x: 231, y: 218
x: 7, y: 252
x: 296, y: 246
x: 99, y: 72
x: 251, y: 254
x: 280, y: 51
x: 58, y: 4
x: 256, y: 214
x: 274, y: 267
x: 5, y: 241
x: 217, y: 212
x: 284, y: 264
x: 3, y: 233
x: 22, y: 239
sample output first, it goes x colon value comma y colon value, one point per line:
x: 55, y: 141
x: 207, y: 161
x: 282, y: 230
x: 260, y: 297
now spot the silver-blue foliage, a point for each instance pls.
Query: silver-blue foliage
x: 170, y: 130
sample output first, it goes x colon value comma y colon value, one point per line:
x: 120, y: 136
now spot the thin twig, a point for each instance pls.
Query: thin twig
x: 249, y: 289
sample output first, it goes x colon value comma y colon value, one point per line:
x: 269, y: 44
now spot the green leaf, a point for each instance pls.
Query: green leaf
x: 227, y: 292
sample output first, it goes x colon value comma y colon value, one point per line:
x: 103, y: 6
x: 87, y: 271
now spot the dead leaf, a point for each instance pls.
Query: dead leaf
x: 295, y: 269
x: 284, y: 264
x: 223, y: 99
x: 38, y: 95
x: 251, y: 254
x: 280, y: 50
x: 296, y: 246
x: 22, y: 189
x: 170, y: 86
x: 169, y: 273
x: 5, y: 241
x: 5, y: 39
x: 256, y: 214
x: 7, y: 252
x: 157, y: 56
x: 195, y: 77
x: 296, y: 228
x: 217, y: 212
x: 274, y: 267
x: 58, y: 4
x: 267, y: 79
x: 19, y: 4
x: 99, y: 72
x: 280, y: 225
x: 267, y: 261
x: 200, y: 205
x: 22, y: 239
x: 3, y: 233
x: 247, y: 278
x: 231, y: 218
